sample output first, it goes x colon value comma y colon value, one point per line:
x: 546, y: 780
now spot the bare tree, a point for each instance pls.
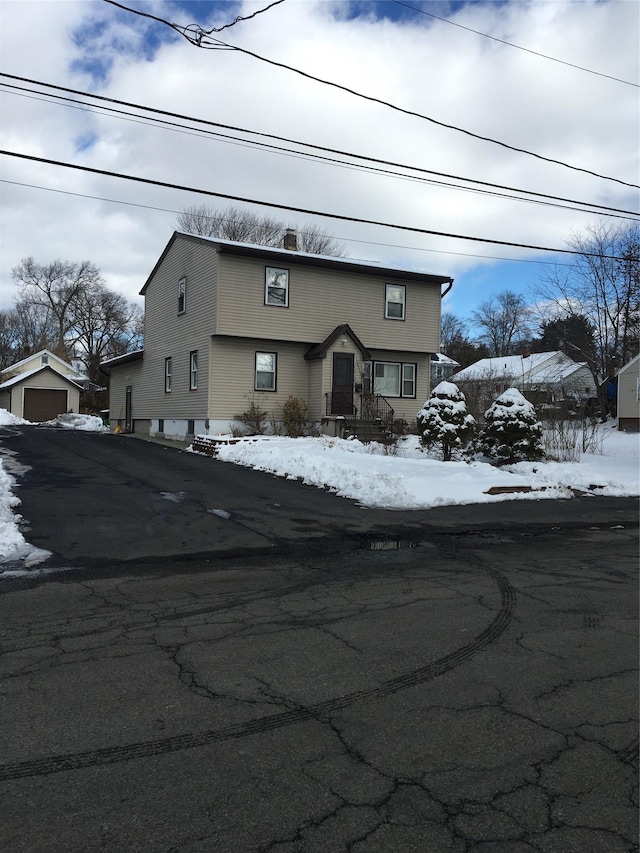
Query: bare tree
x: 105, y: 324
x: 452, y: 329
x: 54, y: 288
x: 602, y: 283
x: 244, y: 226
x: 66, y: 306
x: 23, y: 330
x: 502, y: 320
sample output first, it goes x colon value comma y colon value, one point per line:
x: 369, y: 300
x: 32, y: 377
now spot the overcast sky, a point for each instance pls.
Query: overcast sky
x: 384, y: 50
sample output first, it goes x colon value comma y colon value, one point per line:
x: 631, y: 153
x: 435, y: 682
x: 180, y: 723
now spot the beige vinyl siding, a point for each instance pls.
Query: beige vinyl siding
x: 320, y: 300
x: 121, y: 376
x: 628, y: 405
x: 231, y: 379
x: 172, y: 335
x: 316, y: 398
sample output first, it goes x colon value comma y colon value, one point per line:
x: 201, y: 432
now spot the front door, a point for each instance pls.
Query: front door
x: 342, y: 387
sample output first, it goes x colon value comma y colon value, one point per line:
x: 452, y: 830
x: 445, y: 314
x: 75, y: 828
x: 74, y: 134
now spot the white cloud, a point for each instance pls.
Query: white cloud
x: 420, y: 64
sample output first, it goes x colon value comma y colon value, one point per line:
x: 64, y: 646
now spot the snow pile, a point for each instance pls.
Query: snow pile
x: 7, y: 419
x: 13, y: 545
x: 88, y: 423
x: 410, y: 479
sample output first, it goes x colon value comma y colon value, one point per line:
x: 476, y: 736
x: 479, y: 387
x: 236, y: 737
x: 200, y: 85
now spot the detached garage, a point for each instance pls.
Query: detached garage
x: 40, y: 395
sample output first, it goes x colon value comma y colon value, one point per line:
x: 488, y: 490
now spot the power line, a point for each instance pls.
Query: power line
x: 194, y: 27
x: 154, y: 111
x: 517, y: 46
x: 201, y: 42
x: 276, y: 206
x: 303, y: 155
x: 341, y: 238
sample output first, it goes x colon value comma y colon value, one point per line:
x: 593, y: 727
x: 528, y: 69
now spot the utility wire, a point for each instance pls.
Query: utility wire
x: 200, y: 41
x: 517, y: 46
x: 276, y: 206
x: 161, y: 124
x: 194, y: 27
x: 331, y: 236
x: 364, y: 158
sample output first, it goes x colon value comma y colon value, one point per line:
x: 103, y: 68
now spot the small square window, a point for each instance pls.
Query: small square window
x: 167, y: 375
x: 394, y: 301
x: 193, y: 370
x: 265, y: 371
x: 182, y: 296
x: 276, y: 287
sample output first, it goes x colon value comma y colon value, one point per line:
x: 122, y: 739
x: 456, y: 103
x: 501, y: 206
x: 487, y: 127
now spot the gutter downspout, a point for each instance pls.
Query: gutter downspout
x: 442, y: 295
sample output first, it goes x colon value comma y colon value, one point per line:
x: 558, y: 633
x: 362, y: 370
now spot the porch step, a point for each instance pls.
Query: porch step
x: 368, y: 430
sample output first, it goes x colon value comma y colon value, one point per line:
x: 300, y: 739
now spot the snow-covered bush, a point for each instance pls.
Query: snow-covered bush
x: 512, y: 432
x: 444, y: 422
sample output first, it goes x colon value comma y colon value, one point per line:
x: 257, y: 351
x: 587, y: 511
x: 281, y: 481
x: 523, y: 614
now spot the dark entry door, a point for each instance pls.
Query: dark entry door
x: 128, y: 421
x: 342, y: 387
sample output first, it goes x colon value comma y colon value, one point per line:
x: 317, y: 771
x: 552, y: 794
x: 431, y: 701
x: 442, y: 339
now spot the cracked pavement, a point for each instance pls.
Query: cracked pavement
x: 476, y: 693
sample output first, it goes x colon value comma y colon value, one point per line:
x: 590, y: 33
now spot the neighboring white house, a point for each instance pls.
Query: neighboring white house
x: 554, y: 372
x: 442, y: 367
x: 629, y: 396
x: 40, y: 387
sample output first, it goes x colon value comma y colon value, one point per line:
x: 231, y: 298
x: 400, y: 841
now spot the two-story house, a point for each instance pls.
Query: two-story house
x: 228, y: 322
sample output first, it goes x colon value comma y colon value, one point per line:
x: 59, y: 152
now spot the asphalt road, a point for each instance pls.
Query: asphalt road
x: 269, y: 677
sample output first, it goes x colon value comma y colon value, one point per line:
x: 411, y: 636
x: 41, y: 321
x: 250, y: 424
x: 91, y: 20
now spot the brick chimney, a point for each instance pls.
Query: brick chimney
x: 290, y: 240
x: 526, y: 352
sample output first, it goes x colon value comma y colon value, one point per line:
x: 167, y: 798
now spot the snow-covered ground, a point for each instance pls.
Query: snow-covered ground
x: 375, y: 477
x: 409, y: 479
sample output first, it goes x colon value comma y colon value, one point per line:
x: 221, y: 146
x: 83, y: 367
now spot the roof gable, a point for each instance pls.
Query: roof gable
x: 320, y: 350
x: 22, y: 377
x: 52, y: 358
x: 286, y: 256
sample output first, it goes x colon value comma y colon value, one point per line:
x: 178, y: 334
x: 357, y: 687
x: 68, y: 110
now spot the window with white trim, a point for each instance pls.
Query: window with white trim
x: 167, y: 375
x: 394, y: 379
x: 182, y: 296
x: 395, y: 298
x: 276, y: 288
x: 193, y: 370
x: 265, y: 371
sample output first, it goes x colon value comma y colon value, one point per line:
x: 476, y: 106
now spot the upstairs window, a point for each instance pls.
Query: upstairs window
x: 394, y: 301
x: 276, y: 287
x: 193, y: 370
x: 182, y: 296
x: 167, y: 375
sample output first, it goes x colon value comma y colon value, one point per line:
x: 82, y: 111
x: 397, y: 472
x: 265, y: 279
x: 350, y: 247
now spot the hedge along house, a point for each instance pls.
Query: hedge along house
x: 41, y: 387
x: 228, y: 323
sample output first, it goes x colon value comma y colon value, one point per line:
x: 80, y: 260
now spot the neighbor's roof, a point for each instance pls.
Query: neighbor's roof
x: 15, y: 380
x: 515, y: 366
x: 443, y: 359
x: 286, y: 256
x: 41, y: 352
x: 135, y: 355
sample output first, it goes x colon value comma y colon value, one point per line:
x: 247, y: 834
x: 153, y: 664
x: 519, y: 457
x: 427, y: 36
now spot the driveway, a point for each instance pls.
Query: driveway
x: 312, y: 691
x: 98, y: 499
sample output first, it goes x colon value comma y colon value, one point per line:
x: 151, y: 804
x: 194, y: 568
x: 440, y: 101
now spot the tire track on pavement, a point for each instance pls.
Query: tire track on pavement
x: 151, y: 748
